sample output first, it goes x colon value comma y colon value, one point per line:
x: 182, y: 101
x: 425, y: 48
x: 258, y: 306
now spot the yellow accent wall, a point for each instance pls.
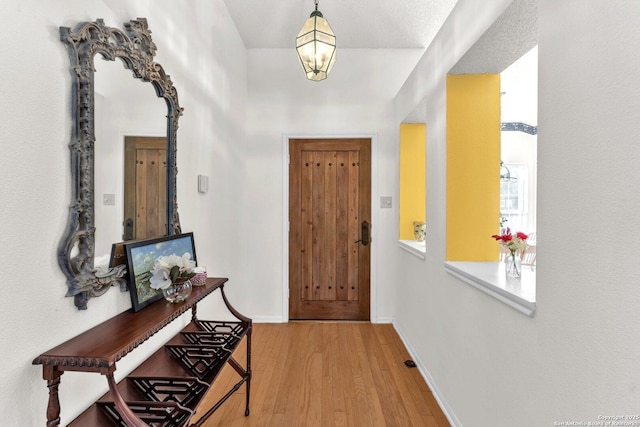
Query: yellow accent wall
x: 473, y: 166
x: 413, y: 159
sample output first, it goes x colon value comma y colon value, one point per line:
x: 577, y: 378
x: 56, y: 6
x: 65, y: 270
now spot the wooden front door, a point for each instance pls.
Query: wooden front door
x: 330, y: 226
x: 145, y: 187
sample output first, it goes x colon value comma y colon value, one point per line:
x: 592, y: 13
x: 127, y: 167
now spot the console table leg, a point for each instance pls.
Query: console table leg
x: 246, y: 411
x: 126, y: 413
x: 242, y: 318
x: 52, y: 376
x: 194, y: 313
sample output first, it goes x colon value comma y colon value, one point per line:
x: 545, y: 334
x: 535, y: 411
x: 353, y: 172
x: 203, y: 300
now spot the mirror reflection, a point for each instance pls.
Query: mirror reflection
x: 130, y: 157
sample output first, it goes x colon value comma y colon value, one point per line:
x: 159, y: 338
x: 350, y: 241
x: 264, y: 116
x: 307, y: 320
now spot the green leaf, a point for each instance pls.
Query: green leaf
x: 174, y: 273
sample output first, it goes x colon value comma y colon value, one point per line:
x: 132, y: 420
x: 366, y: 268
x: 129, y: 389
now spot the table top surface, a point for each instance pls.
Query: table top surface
x: 106, y: 343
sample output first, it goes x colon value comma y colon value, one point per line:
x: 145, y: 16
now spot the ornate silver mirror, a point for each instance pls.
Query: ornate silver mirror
x: 136, y: 50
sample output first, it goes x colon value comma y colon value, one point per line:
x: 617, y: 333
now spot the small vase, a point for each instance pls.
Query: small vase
x: 178, y: 291
x: 200, y: 279
x: 513, y: 266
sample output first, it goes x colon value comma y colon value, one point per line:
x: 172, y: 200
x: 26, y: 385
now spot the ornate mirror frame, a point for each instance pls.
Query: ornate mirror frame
x: 135, y: 48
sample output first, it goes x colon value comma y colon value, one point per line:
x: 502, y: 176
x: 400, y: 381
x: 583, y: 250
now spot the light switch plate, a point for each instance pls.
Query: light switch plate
x: 386, y: 202
x: 109, y: 199
x: 203, y: 183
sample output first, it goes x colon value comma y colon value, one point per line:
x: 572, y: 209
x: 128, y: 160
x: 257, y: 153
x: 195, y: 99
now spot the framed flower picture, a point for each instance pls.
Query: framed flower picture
x: 141, y: 257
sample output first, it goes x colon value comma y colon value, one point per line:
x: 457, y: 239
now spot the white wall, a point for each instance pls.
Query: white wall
x: 282, y: 102
x: 35, y: 84
x: 577, y: 358
x: 128, y: 107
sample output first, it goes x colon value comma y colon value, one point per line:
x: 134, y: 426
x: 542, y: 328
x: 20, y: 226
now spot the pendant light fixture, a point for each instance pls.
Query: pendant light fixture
x: 316, y: 46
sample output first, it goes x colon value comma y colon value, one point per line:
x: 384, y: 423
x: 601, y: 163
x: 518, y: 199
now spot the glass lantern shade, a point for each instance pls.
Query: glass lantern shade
x: 316, y: 46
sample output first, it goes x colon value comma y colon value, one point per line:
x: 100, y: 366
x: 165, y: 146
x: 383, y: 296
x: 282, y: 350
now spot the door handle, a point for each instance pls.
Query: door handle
x: 364, y: 234
x: 128, y: 229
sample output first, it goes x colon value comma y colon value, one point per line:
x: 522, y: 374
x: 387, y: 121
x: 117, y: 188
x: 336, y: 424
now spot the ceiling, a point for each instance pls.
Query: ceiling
x: 379, y: 43
x: 513, y: 34
x: 371, y: 24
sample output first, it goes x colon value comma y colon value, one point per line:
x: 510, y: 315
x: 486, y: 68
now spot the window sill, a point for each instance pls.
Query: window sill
x: 489, y: 277
x: 418, y: 249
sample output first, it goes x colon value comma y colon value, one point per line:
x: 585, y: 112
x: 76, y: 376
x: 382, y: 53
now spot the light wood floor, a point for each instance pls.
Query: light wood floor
x: 326, y: 374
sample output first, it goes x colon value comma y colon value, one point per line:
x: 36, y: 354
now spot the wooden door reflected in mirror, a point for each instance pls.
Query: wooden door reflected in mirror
x: 145, y: 183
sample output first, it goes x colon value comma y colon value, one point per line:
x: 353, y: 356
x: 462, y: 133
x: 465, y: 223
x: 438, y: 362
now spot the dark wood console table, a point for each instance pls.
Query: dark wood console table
x: 165, y: 389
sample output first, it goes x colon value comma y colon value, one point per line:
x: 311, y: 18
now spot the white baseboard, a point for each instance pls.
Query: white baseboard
x: 446, y: 409
x: 278, y: 319
x: 268, y: 319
